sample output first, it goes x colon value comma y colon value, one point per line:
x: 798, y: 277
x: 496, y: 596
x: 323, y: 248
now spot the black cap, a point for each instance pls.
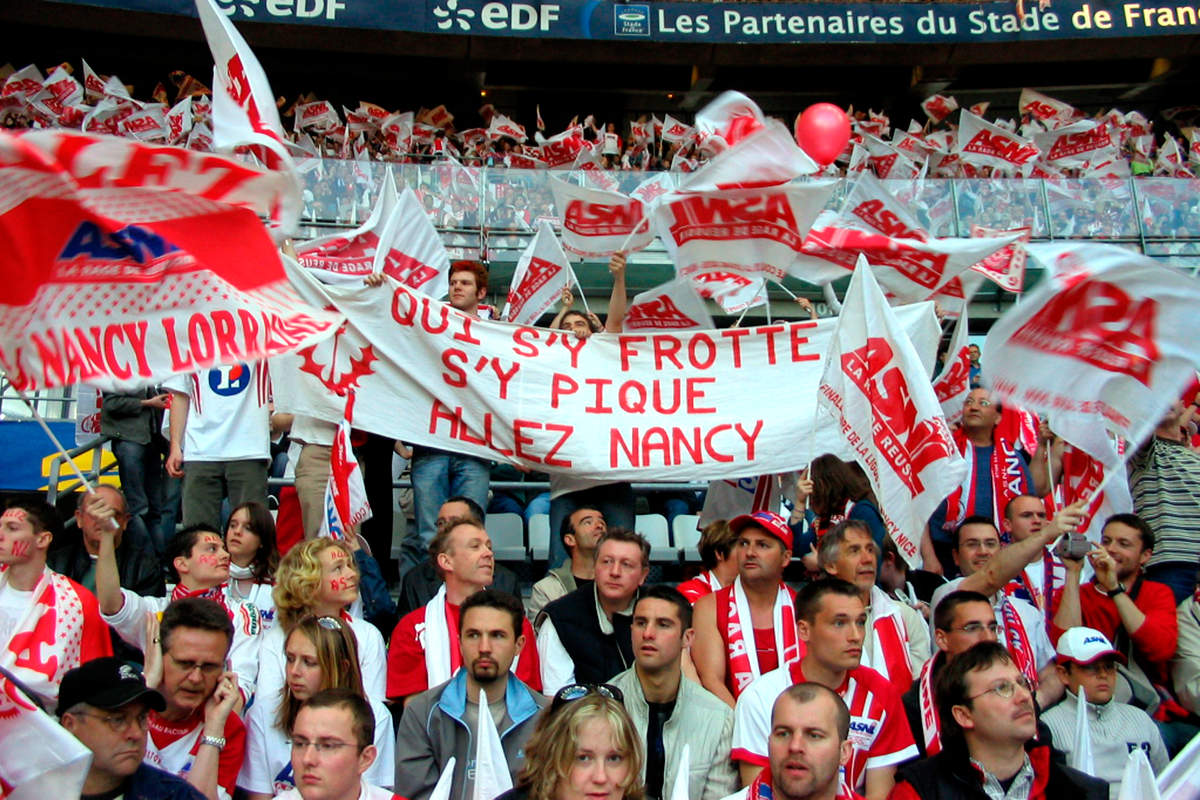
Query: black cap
x: 107, y: 683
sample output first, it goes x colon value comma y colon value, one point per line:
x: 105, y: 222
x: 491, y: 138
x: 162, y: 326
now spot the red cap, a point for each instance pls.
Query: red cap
x: 771, y: 523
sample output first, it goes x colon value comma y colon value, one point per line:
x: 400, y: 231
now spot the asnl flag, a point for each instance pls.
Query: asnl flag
x: 128, y: 263
x: 672, y: 306
x: 599, y: 222
x: 541, y: 274
x: 346, y: 503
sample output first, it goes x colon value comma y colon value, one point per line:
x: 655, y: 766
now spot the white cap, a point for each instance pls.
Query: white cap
x: 1085, y: 645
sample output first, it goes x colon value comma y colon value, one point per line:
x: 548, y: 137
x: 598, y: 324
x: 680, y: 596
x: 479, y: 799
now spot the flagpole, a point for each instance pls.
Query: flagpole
x: 62, y: 451
x: 625, y: 245
x: 579, y: 286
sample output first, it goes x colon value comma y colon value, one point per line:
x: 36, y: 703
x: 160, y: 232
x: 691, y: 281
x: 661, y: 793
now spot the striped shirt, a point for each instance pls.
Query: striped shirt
x: 1164, y: 479
x: 878, y: 726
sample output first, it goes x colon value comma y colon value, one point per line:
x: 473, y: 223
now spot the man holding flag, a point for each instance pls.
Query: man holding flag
x: 440, y: 725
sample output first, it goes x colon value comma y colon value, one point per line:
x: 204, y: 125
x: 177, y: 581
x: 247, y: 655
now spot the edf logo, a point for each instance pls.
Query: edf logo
x: 229, y: 380
x: 498, y: 16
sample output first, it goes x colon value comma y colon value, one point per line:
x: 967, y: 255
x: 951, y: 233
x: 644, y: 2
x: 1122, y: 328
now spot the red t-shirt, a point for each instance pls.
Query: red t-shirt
x: 406, y: 673
x: 172, y: 746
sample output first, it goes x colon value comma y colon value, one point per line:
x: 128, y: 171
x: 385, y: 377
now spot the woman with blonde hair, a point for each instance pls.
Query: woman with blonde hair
x: 319, y: 578
x: 321, y: 653
x: 583, y: 749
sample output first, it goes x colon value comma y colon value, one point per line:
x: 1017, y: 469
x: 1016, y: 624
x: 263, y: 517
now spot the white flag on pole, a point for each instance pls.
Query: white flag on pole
x: 1138, y: 781
x: 492, y: 777
x: 679, y: 789
x: 541, y: 274
x: 1081, y: 753
x: 445, y: 781
x: 953, y: 384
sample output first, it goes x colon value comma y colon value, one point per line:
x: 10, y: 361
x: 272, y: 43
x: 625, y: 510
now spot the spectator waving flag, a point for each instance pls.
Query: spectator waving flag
x: 129, y: 263
x: 877, y: 389
x: 346, y: 503
x: 1106, y: 340
x: 244, y: 112
x: 599, y: 222
x: 541, y: 274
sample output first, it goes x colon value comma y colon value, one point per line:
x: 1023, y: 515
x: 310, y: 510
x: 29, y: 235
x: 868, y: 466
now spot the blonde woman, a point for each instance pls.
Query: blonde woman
x: 319, y: 578
x: 320, y: 654
x: 585, y: 748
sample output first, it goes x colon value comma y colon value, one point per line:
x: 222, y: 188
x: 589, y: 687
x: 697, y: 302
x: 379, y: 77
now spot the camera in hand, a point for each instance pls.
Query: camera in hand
x: 1073, y: 546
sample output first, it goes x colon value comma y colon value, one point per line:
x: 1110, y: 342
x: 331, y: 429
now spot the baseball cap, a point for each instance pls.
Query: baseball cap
x: 1085, y: 645
x: 107, y: 683
x: 771, y: 523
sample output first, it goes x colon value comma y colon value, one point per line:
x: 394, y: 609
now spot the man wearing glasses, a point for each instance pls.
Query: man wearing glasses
x: 197, y: 736
x: 988, y: 747
x: 332, y: 748
x: 1088, y: 661
x: 105, y: 704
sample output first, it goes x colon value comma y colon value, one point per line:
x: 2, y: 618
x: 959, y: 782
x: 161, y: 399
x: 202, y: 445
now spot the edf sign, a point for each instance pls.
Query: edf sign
x: 499, y: 16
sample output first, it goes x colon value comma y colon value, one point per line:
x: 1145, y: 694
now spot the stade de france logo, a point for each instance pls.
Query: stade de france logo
x: 451, y: 14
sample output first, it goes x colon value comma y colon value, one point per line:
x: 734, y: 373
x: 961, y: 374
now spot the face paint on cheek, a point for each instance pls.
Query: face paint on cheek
x: 208, y: 560
x: 339, y: 584
x: 20, y: 549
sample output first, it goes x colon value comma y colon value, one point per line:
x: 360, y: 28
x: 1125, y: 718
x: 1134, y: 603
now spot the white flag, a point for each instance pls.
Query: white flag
x: 244, y: 112
x: 599, y: 222
x: 982, y: 144
x: 1180, y: 780
x: 492, y: 777
x: 1106, y: 339
x: 953, y: 384
x: 1081, y: 753
x: 445, y: 782
x: 679, y: 789
x: 541, y: 274
x: 731, y: 498
x: 876, y: 387
x: 672, y: 306
x: 346, y: 503
x: 38, y: 758
x: 1138, y: 781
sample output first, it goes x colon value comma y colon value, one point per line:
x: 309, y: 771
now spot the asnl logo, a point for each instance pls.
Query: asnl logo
x: 454, y: 17
x: 294, y: 9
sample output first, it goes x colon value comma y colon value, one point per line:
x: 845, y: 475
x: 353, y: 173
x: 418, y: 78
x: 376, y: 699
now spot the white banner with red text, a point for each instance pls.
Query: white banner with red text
x: 694, y: 405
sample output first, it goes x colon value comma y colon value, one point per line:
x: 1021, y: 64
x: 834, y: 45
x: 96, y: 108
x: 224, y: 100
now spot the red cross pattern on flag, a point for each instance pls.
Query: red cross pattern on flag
x: 876, y: 388
x: 129, y: 263
x: 346, y: 503
x: 1106, y: 340
x: 541, y: 274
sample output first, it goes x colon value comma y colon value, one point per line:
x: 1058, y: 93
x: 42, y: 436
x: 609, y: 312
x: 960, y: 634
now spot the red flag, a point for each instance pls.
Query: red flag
x: 877, y: 389
x: 129, y: 263
x: 346, y: 503
x: 938, y: 107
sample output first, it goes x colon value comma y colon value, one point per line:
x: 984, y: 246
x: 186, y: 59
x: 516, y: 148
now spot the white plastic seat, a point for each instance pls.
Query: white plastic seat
x: 654, y: 528
x: 539, y: 536
x: 507, y: 532
x: 686, y: 534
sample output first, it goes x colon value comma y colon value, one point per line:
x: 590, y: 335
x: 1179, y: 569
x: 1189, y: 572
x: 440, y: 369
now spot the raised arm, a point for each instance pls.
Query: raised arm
x: 1008, y: 563
x: 617, y: 302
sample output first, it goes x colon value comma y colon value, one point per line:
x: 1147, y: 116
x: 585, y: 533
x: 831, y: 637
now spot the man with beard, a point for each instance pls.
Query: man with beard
x: 441, y: 723
x: 808, y: 746
x: 424, y: 648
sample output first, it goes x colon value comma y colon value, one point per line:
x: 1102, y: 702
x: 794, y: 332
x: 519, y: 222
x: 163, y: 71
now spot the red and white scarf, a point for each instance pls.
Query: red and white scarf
x: 931, y: 730
x: 889, y: 649
x: 743, y: 658
x: 1007, y: 478
x: 1054, y: 576
x: 1017, y: 640
x: 48, y: 640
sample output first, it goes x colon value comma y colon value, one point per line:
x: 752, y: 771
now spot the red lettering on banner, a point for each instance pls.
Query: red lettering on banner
x: 734, y: 336
x: 454, y: 375
x: 561, y: 385
x: 909, y: 445
x: 766, y: 215
x: 1098, y: 323
x: 1073, y: 144
x: 408, y: 270
x: 666, y: 348
x: 798, y: 341
x: 523, y: 339
x: 599, y: 407
x: 878, y: 216
x: 84, y: 353
x: 538, y: 273
x: 628, y: 351
x: 1004, y: 147
x: 602, y: 219
x: 669, y: 447
x: 659, y: 312
x: 573, y: 345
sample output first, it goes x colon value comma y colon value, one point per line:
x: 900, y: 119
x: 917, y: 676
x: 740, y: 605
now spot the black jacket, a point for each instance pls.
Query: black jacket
x: 137, y: 566
x: 598, y: 654
x: 421, y: 583
x: 950, y: 776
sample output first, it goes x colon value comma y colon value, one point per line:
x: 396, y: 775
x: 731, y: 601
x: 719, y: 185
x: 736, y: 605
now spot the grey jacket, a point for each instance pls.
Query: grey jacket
x: 557, y: 583
x: 432, y: 731
x: 700, y: 720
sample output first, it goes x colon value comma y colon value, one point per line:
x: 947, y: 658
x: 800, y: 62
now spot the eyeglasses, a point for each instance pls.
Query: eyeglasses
x: 976, y: 628
x: 1005, y: 689
x: 207, y: 669
x: 974, y: 402
x: 575, y: 691
x: 322, y: 746
x: 117, y: 724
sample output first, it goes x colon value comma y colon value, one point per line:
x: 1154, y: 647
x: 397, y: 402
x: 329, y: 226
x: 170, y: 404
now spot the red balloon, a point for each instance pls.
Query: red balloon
x: 822, y: 131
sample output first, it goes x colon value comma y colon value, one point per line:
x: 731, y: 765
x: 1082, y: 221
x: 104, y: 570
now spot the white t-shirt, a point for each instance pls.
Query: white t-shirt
x: 228, y: 416
x: 372, y: 660
x: 367, y: 792
x: 267, y: 768
x: 1031, y: 618
x: 14, y: 605
x: 310, y: 430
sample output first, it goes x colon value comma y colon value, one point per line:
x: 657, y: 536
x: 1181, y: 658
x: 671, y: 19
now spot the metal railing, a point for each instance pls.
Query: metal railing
x: 55, y: 484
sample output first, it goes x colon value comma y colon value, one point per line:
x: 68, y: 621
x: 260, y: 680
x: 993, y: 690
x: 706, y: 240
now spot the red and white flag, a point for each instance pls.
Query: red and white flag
x: 768, y: 156
x: 130, y: 263
x: 672, y: 306
x: 346, y: 504
x: 320, y: 117
x: 243, y: 110
x: 1077, y: 144
x: 888, y: 161
x: 1106, y: 339
x: 1006, y: 266
x: 756, y: 232
x: 909, y: 263
x: 598, y: 222
x: 542, y: 272
x: 876, y: 388
x: 727, y: 499
x: 397, y: 131
x: 1047, y: 109
x: 1082, y: 475
x: 675, y: 131
x: 727, y: 120
x: 38, y: 758
x: 732, y: 290
x: 502, y: 126
x: 953, y: 383
x: 982, y: 144
x: 562, y: 148
x: 938, y: 107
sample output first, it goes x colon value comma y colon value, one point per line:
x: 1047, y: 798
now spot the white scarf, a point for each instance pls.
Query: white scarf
x: 438, y: 666
x: 48, y: 640
x: 743, y: 657
x: 241, y: 573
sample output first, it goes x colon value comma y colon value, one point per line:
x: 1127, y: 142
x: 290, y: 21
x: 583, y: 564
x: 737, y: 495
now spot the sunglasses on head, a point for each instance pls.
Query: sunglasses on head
x: 575, y: 691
